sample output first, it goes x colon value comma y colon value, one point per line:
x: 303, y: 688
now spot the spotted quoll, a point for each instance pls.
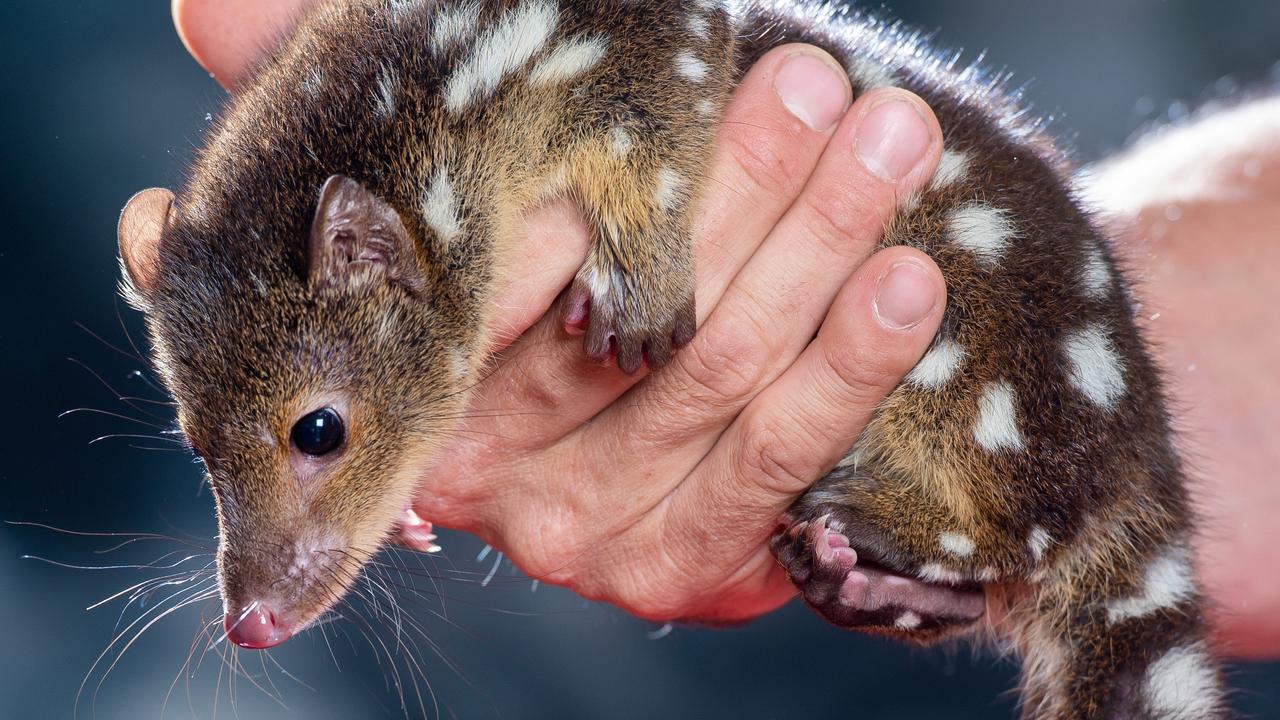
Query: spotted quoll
x: 345, y: 222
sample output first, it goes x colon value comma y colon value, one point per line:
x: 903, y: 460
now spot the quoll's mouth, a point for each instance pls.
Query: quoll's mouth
x: 257, y: 627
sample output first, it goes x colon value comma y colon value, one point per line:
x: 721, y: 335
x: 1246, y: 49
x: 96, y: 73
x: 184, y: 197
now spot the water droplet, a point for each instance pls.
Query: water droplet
x: 1172, y: 213
x: 1178, y: 111
x: 1144, y: 106
x: 1191, y: 367
x: 1154, y: 316
x: 1225, y: 86
x: 208, y: 117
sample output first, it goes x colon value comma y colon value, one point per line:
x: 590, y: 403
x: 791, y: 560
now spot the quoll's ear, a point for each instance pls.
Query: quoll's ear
x: 141, y: 224
x: 357, y: 237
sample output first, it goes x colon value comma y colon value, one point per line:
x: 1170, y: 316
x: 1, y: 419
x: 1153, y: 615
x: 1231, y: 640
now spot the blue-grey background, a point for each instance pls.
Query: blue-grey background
x: 99, y: 100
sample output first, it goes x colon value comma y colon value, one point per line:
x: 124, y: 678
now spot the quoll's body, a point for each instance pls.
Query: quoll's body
x: 317, y: 297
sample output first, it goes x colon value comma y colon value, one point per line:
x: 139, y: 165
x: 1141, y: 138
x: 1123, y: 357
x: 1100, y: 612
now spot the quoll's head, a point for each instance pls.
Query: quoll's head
x: 314, y: 376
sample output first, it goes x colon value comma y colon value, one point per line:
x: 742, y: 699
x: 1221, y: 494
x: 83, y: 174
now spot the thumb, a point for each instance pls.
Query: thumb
x: 227, y: 37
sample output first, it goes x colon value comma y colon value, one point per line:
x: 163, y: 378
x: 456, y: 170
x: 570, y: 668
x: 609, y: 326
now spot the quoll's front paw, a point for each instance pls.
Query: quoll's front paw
x: 864, y: 596
x: 636, y: 320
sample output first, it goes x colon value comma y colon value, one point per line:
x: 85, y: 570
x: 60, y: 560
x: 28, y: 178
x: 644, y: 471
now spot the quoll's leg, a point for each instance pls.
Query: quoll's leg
x: 638, y: 143
x: 634, y: 295
x: 881, y: 555
x: 865, y: 596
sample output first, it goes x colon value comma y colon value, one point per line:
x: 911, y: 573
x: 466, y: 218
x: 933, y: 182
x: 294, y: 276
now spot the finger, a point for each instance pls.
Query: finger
x: 775, y: 128
x: 765, y: 152
x: 227, y: 37
x: 552, y: 246
x: 885, y: 148
x: 798, y: 428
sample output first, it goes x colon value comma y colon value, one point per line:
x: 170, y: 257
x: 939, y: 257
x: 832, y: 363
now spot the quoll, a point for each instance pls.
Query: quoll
x: 317, y: 299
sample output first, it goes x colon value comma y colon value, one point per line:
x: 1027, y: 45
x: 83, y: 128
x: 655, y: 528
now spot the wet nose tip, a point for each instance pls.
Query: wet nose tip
x: 255, y: 627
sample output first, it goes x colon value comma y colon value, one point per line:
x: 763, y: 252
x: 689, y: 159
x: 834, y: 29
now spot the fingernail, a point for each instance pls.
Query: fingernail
x: 892, y: 139
x: 904, y: 296
x: 812, y: 90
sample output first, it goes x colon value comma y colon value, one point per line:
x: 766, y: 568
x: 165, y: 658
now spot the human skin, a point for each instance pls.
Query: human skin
x: 662, y: 502
x: 1195, y: 210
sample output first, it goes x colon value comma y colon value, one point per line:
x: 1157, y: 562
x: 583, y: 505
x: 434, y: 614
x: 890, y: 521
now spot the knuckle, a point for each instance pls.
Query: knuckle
x: 769, y: 170
x: 781, y: 465
x: 841, y: 217
x: 863, y: 378
x: 725, y: 364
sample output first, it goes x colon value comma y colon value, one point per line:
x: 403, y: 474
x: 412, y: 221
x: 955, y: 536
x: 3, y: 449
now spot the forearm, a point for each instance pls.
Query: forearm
x: 1195, y: 210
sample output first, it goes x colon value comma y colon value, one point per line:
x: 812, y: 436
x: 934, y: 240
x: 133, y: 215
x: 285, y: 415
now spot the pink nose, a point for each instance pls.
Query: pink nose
x: 255, y: 628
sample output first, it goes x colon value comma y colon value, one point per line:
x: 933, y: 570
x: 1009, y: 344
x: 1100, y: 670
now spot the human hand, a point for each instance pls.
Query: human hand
x: 1195, y: 210
x: 662, y: 502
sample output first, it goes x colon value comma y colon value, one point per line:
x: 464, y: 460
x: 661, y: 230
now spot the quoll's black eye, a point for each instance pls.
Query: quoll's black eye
x: 318, y: 432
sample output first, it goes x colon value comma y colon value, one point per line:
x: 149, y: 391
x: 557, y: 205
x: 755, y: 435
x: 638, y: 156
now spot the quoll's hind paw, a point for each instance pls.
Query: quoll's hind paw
x: 627, y: 325
x: 415, y: 533
x: 866, y: 597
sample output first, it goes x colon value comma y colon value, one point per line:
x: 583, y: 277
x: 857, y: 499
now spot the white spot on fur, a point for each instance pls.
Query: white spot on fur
x: 453, y: 24
x: 439, y: 207
x: 569, y: 60
x: 387, y: 84
x: 690, y: 67
x: 402, y: 10
x: 988, y: 574
x: 957, y: 544
x: 1038, y: 541
x: 869, y: 74
x: 1096, y: 279
x: 1094, y: 367
x: 620, y: 140
x: 1166, y: 582
x: 1044, y: 660
x: 667, y: 192
x: 982, y: 230
x: 600, y: 285
x: 935, y: 572
x: 705, y: 108
x: 937, y: 366
x: 907, y: 621
x: 504, y: 49
x: 461, y: 366
x: 952, y: 166
x: 997, y: 425
x: 1182, y: 684
x: 699, y: 27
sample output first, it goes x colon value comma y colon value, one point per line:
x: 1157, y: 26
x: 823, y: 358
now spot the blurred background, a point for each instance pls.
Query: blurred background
x: 101, y: 100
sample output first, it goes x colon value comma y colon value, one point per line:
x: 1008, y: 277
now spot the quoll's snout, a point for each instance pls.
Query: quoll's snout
x: 256, y: 627
x: 268, y: 597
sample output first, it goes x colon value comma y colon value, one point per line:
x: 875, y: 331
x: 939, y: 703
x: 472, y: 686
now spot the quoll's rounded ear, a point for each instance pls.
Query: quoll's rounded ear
x: 357, y: 237
x: 141, y: 223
